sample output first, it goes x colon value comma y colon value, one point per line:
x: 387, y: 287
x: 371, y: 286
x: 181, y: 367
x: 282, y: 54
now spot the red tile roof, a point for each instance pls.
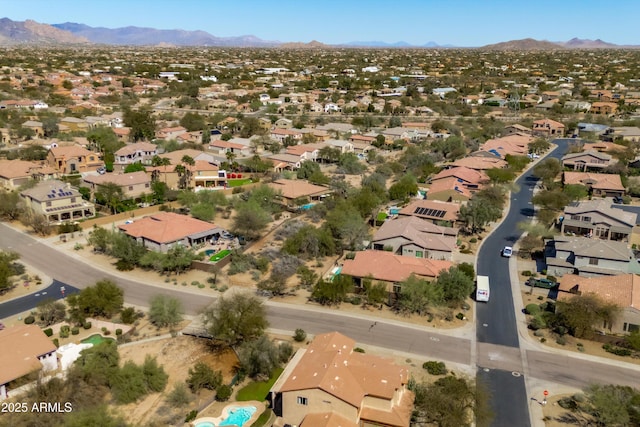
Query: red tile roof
x: 383, y: 265
x: 166, y: 227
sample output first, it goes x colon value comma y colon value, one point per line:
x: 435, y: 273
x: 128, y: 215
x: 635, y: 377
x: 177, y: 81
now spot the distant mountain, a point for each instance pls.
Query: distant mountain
x: 524, y: 44
x: 576, y: 43
x: 31, y: 32
x: 378, y: 44
x: 314, y: 44
x: 150, y: 36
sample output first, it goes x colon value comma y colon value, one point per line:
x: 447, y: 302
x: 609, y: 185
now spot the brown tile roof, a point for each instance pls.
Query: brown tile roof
x: 327, y: 419
x: 70, y: 151
x: 515, y: 144
x: 549, y: 122
x: 450, y: 209
x: 465, y: 174
x: 383, y: 265
x: 622, y: 290
x: 133, y: 148
x: 331, y: 365
x: 176, y: 156
x: 603, y: 181
x: 419, y: 231
x: 120, y: 179
x: 20, y: 168
x: 448, y: 184
x: 480, y: 163
x: 166, y: 227
x: 294, y: 188
x: 298, y: 150
x: 286, y: 132
x: 21, y: 346
x: 226, y: 144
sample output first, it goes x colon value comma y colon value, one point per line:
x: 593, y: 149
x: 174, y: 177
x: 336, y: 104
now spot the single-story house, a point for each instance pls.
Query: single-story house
x: 163, y: 230
x: 291, y: 191
x: 587, y: 161
x: 436, y: 211
x: 622, y: 290
x: 601, y: 184
x: 14, y: 173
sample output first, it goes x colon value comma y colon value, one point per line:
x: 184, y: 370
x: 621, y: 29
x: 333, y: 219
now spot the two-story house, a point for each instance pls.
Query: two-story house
x: 598, y: 219
x: 73, y: 159
x: 133, y: 184
x: 140, y: 152
x: 548, y: 128
x: 329, y: 384
x: 57, y: 202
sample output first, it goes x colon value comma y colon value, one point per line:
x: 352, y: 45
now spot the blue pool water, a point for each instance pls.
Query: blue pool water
x: 208, y: 253
x: 394, y: 211
x: 307, y: 206
x: 238, y: 416
x: 205, y: 424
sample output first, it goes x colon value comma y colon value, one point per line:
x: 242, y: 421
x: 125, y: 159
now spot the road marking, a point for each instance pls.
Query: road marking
x: 485, y: 325
x: 516, y: 374
x: 434, y: 339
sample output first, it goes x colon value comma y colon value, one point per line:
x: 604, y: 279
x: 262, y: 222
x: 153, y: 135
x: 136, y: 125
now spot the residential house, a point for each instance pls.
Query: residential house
x: 223, y: 147
x: 73, y: 159
x: 606, y: 108
x: 393, y: 134
x: 390, y: 268
x: 517, y: 129
x: 587, y: 160
x: 170, y: 132
x: 329, y: 384
x: 14, y: 173
x: 282, y: 162
x: 133, y: 185
x: 480, y: 163
x: 175, y: 157
x: 470, y: 179
x: 368, y: 140
x: 122, y: 133
x: 598, y: 219
x: 194, y: 137
x: 306, y: 152
x: 548, y: 128
x: 589, y: 257
x: 207, y: 176
x: 578, y: 105
x: 338, y: 127
x: 342, y: 145
x: 415, y: 237
x: 294, y: 191
x: 71, y: 124
x: 139, y: 152
x: 264, y: 123
x: 516, y: 145
x: 283, y: 123
x: 317, y: 135
x: 281, y: 134
x: 448, y: 190
x: 35, y: 126
x: 25, y: 349
x: 622, y: 290
x: 164, y: 230
x: 436, y: 211
x: 57, y: 202
x: 625, y: 133
x: 600, y: 184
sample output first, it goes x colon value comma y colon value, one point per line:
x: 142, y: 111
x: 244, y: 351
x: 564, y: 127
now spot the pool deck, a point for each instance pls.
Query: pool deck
x: 225, y: 413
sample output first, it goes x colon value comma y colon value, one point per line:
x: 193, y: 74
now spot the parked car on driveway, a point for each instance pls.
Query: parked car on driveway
x: 542, y: 283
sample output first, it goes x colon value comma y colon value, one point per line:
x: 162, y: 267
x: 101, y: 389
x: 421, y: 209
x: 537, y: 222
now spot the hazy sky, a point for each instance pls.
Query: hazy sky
x: 457, y: 22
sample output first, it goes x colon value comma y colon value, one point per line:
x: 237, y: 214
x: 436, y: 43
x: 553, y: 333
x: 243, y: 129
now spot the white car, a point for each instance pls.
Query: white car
x: 507, y: 251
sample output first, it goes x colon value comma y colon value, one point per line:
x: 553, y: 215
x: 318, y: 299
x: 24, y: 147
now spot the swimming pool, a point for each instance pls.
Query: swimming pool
x: 307, y: 206
x: 219, y: 255
x: 96, y: 339
x: 238, y: 416
x: 205, y: 424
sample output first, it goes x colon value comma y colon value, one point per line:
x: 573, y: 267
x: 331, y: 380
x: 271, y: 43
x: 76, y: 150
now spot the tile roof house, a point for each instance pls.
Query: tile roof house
x: 470, y: 179
x: 291, y: 190
x: 133, y: 184
x: 587, y: 160
x: 622, y: 290
x: 223, y: 147
x: 170, y: 132
x: 589, y: 257
x: 139, y: 152
x: 14, y: 173
x: 516, y: 145
x: 626, y: 133
x: 448, y: 189
x: 607, y: 108
x: 480, y: 163
x: 435, y: 211
x: 391, y: 268
x: 598, y: 219
x: 415, y: 237
x: 281, y: 134
x: 548, y: 128
x: 331, y: 385
x: 284, y: 161
x: 73, y: 159
x: 57, y: 202
x: 601, y: 184
x: 163, y: 230
x: 25, y: 349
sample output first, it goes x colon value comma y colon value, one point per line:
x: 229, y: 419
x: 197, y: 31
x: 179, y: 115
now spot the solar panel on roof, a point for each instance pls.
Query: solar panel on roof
x: 440, y: 214
x: 417, y: 211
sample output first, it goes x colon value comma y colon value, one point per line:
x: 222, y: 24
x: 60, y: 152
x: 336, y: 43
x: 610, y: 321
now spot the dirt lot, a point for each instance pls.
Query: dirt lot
x: 176, y: 355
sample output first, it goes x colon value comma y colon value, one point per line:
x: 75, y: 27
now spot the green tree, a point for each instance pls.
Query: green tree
x: 539, y: 145
x: 517, y: 163
x: 134, y: 167
x: 141, y: 122
x: 310, y: 242
x: 576, y: 192
x: 202, y: 376
x: 50, y: 127
x: 613, y: 405
x: 236, y: 318
x: 350, y: 164
x: 582, y: 313
x: 11, y: 205
x: 111, y: 195
x: 455, y: 284
x: 547, y: 170
x: 98, y: 364
x: 104, y: 299
x: 250, y: 220
x: 165, y: 311
x: 417, y: 295
x: 7, y: 269
x: 375, y: 293
x: 128, y: 384
x: 192, y: 122
x: 258, y: 358
x: 404, y: 188
x: 346, y: 225
x: 500, y: 176
x: 333, y: 292
x: 179, y: 396
x: 50, y: 312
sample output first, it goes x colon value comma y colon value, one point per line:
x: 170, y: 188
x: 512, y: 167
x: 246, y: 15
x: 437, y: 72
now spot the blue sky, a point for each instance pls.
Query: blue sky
x: 458, y: 22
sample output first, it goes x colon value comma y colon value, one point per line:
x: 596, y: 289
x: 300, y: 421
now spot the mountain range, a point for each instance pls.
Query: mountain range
x: 31, y: 33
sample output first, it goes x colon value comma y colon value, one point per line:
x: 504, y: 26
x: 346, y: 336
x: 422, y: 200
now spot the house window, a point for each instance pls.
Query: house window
x: 48, y: 204
x: 73, y: 200
x: 131, y: 188
x: 419, y: 254
x: 593, y: 261
x: 397, y: 288
x: 146, y: 185
x: 302, y: 401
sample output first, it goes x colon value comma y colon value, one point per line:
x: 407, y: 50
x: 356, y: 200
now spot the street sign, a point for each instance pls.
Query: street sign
x: 546, y: 393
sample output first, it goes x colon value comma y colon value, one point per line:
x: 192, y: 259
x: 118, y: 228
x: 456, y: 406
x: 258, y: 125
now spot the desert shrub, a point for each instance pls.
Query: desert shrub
x: 568, y: 403
x: 532, y: 309
x: 618, y: 351
x: 56, y: 342
x: 286, y: 350
x: 128, y: 315
x: 64, y: 331
x: 561, y: 340
x: 473, y: 240
x: 299, y: 335
x: 48, y: 332
x: 179, y: 396
x: 118, y: 332
x: 194, y: 412
x: 86, y: 325
x: 526, y: 273
x: 435, y: 368
x: 460, y: 316
x: 75, y: 330
x: 29, y: 320
x: 538, y: 333
x: 223, y: 393
x: 536, y: 323
x: 358, y: 350
x: 285, y: 266
x: 355, y: 300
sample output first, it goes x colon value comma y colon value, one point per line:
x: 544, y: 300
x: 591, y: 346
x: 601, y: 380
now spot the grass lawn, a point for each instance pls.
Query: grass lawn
x: 381, y: 216
x: 217, y: 257
x: 262, y: 420
x: 258, y: 390
x: 238, y: 182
